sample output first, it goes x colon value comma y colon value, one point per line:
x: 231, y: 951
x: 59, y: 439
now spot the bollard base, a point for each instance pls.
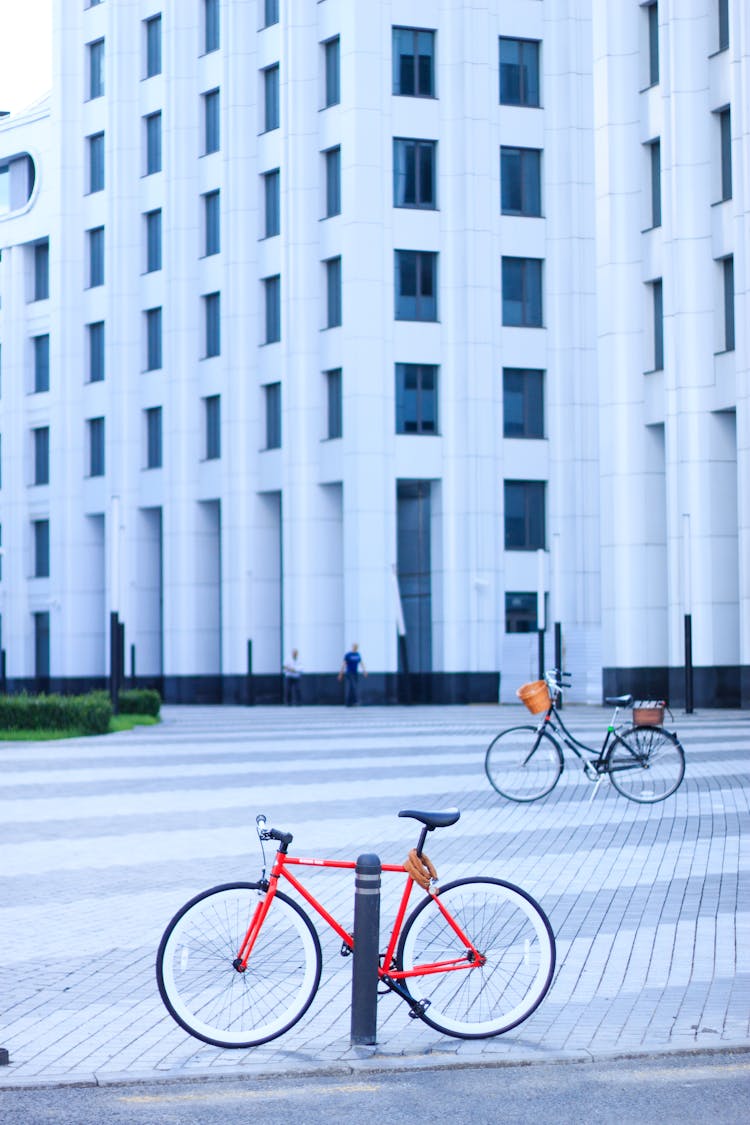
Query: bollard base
x: 4, y: 1057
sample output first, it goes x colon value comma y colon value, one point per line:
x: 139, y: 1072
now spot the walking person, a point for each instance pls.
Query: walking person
x: 292, y: 676
x: 351, y: 666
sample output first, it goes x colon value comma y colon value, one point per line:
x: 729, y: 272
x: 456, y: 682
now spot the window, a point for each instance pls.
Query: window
x: 520, y: 613
x: 41, y: 271
x: 272, y: 197
x: 96, y: 68
x: 41, y: 645
x: 522, y: 292
x: 520, y: 181
x: 96, y: 162
x: 727, y: 265
x: 413, y: 62
x: 153, y: 241
x: 212, y: 315
x: 270, y: 12
x: 652, y: 14
x: 153, y: 46
x: 413, y: 173
x: 657, y: 297
x: 524, y: 515
x: 333, y: 292
x: 41, y: 364
x: 95, y: 427
x: 654, y: 148
x: 210, y: 25
x: 416, y: 285
x: 416, y: 398
x: 41, y: 548
x: 272, y: 297
x: 96, y: 351
x: 153, y: 339
x: 723, y: 13
x: 333, y: 181
x: 212, y: 416
x: 211, y: 223
x: 725, y: 126
x: 334, y: 405
x: 153, y: 143
x: 273, y: 415
x: 519, y: 72
x: 96, y: 257
x: 211, y: 122
x: 271, y: 98
x: 332, y: 72
x: 41, y: 454
x: 523, y: 403
x: 153, y: 437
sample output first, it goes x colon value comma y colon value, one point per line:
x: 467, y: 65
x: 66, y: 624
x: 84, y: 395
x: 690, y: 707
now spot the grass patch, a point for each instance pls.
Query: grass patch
x: 116, y: 723
x: 127, y: 722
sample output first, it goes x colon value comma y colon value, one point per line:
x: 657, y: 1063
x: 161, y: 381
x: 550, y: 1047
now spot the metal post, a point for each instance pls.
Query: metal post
x: 366, y: 950
x: 558, y: 657
x: 689, y: 663
x: 250, y: 684
x: 114, y: 659
x: 132, y: 663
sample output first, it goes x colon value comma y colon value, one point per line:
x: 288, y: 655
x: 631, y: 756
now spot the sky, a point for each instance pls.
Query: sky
x: 25, y: 52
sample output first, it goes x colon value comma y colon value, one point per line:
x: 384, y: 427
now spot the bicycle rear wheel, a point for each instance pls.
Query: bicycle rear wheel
x: 517, y: 945
x: 204, y: 992
x: 523, y: 763
x: 646, y: 764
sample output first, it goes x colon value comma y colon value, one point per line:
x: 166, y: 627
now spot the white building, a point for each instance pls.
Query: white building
x: 304, y: 303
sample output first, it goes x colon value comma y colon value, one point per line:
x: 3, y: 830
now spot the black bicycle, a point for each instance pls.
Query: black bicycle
x: 644, y: 762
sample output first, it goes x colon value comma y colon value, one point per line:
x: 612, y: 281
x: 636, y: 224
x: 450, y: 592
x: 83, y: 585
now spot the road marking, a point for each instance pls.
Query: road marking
x: 273, y: 1093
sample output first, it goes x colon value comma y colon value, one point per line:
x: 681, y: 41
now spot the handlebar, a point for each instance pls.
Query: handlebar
x: 264, y: 833
x: 556, y: 680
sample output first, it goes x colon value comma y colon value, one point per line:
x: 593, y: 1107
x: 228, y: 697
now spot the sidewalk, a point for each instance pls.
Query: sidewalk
x: 104, y: 838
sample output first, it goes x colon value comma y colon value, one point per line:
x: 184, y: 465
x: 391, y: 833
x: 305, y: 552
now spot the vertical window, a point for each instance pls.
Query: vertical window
x: 416, y: 398
x: 211, y: 122
x: 153, y: 46
x: 41, y: 271
x: 96, y: 68
x: 723, y: 14
x: 657, y: 296
x: 725, y: 125
x: 211, y: 223
x: 524, y: 515
x: 153, y: 438
x: 728, y: 278
x: 41, y: 364
x: 96, y: 257
x: 271, y: 98
x: 41, y: 548
x: 523, y: 402
x: 212, y: 317
x: 96, y: 351
x: 332, y: 72
x: 333, y: 292
x: 522, y: 292
x: 652, y: 13
x: 273, y: 415
x: 519, y: 72
x: 655, y: 161
x: 333, y: 181
x: 334, y: 404
x: 413, y: 173
x: 520, y: 613
x: 41, y: 645
x: 520, y: 181
x: 270, y: 12
x: 272, y: 296
x: 153, y: 339
x: 96, y: 162
x: 153, y: 143
x: 272, y: 199
x: 153, y: 241
x: 212, y: 408
x: 211, y: 27
x: 95, y: 427
x: 413, y: 62
x: 416, y: 285
x: 41, y: 454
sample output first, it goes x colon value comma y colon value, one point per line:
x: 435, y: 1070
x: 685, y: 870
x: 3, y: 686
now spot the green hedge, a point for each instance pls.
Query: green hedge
x: 89, y: 713
x: 140, y: 701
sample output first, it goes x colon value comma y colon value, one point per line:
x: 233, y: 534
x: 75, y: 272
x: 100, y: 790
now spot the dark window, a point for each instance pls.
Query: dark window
x: 413, y: 62
x: 211, y: 223
x: 728, y: 271
x: 41, y: 548
x: 96, y: 68
x: 332, y: 72
x: 416, y: 398
x: 333, y: 181
x: 521, y: 181
x: 658, y: 310
x: 42, y: 645
x: 153, y: 46
x: 416, y: 285
x: 725, y: 124
x: 271, y: 98
x: 273, y: 415
x: 334, y: 404
x: 723, y: 24
x: 153, y: 438
x: 414, y: 568
x: 96, y: 162
x: 522, y: 292
x: 655, y: 158
x: 272, y: 194
x: 41, y: 364
x: 153, y: 339
x: 272, y: 293
x: 520, y: 613
x: 270, y: 12
x: 211, y: 122
x: 41, y: 455
x: 524, y: 515
x: 212, y: 312
x: 519, y: 72
x: 652, y: 12
x: 41, y: 271
x: 333, y: 292
x: 213, y: 427
x: 96, y: 351
x: 413, y: 173
x: 96, y: 257
x: 153, y: 143
x: 153, y: 241
x: 96, y: 447
x: 211, y: 25
x: 523, y: 402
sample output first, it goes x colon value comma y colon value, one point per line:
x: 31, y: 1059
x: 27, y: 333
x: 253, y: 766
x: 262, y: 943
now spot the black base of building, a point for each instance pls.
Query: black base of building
x: 723, y: 686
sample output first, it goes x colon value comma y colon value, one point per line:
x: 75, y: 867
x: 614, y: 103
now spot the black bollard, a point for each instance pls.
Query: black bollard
x: 366, y: 950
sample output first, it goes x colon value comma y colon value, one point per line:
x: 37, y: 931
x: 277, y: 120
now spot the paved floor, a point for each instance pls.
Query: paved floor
x: 102, y: 839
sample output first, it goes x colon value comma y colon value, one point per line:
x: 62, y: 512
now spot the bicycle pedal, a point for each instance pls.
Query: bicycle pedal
x: 418, y: 1009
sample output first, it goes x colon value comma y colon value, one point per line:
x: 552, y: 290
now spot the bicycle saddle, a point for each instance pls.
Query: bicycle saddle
x: 619, y: 700
x: 433, y: 820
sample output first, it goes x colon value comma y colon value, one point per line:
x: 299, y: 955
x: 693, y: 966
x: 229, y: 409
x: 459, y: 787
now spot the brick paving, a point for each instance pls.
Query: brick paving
x: 104, y: 838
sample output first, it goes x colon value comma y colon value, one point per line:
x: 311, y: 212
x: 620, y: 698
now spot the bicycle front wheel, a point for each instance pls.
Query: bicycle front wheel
x: 523, y: 763
x: 646, y: 764
x: 475, y: 1000
x: 208, y: 996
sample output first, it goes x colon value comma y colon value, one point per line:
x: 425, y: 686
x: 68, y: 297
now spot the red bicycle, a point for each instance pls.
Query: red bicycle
x: 240, y: 964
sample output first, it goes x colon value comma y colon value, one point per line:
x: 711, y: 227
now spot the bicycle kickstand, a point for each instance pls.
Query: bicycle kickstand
x: 595, y: 790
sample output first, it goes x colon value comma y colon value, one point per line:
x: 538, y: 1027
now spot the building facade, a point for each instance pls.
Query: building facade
x: 321, y: 320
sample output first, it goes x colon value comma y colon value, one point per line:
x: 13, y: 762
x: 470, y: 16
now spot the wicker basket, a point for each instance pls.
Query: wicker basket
x: 535, y: 695
x: 648, y: 712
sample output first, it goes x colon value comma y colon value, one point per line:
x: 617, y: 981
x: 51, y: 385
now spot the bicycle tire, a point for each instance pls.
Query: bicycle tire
x: 646, y: 764
x: 518, y: 770
x: 204, y: 992
x: 509, y: 928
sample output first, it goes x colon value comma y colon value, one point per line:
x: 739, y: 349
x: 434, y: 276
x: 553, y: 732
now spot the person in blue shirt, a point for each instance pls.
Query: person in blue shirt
x: 351, y: 666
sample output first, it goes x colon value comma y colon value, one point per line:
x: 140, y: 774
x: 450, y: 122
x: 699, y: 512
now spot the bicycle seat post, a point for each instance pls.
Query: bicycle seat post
x: 422, y: 838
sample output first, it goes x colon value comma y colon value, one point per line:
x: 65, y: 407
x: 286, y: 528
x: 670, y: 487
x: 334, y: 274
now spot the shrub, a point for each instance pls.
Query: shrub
x: 88, y: 713
x: 140, y: 701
